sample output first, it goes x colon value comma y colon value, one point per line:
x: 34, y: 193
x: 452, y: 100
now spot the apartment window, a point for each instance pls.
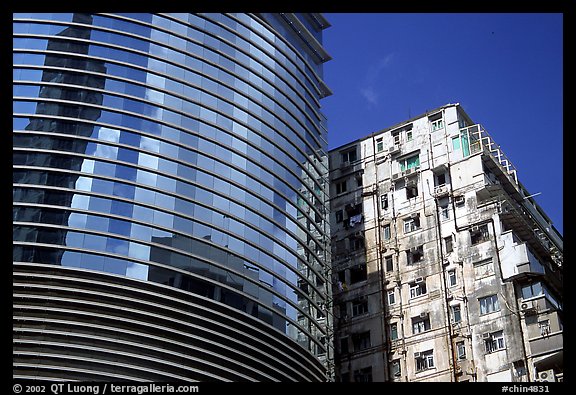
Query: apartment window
x: 424, y: 360
x: 358, y: 273
x: 489, y: 304
x: 483, y: 268
x: 444, y: 211
x: 391, y: 297
x: 415, y: 255
x: 455, y: 143
x: 379, y: 144
x: 411, y: 224
x: 349, y: 156
x: 384, y: 201
x: 361, y: 341
x: 448, y: 244
x: 441, y: 179
x: 411, y: 162
x: 417, y: 289
x: 420, y: 324
x: 394, y: 331
x: 544, y: 326
x: 356, y: 243
x: 363, y: 375
x: 456, y: 313
x: 461, y: 350
x: 531, y: 290
x: 409, y: 135
x: 344, y: 345
x: 396, y: 138
x: 411, y: 190
x: 452, y: 281
x: 494, y: 341
x: 386, y: 232
x: 339, y: 216
x: 395, y: 369
x: 359, y: 307
x: 343, y: 311
x: 479, y: 234
x: 389, y: 261
x: 341, y: 187
x: 437, y: 124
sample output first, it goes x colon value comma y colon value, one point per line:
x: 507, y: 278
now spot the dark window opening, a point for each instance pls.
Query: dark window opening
x: 358, y: 273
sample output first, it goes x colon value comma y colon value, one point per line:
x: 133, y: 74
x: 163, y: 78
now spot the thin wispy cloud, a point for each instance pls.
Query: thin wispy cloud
x: 368, y: 90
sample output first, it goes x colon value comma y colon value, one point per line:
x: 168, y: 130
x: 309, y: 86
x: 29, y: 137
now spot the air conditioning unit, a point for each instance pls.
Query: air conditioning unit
x: 423, y: 315
x: 419, y: 280
x: 459, y: 199
x: 414, y: 215
x: 417, y: 354
x: 486, y: 336
x: 528, y: 307
x: 407, y: 172
x: 546, y: 376
x: 395, y: 176
x: 393, y: 149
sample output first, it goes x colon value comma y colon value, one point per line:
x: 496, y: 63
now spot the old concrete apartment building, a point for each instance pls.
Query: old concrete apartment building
x: 444, y: 267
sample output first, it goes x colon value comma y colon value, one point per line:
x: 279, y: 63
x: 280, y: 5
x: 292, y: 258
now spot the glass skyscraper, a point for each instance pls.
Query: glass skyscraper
x: 170, y: 197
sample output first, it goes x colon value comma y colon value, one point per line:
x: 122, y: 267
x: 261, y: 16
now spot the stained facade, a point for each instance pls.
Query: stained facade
x: 444, y: 266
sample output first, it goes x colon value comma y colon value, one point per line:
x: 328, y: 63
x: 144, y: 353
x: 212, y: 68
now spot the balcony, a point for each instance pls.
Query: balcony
x: 516, y: 258
x: 548, y: 343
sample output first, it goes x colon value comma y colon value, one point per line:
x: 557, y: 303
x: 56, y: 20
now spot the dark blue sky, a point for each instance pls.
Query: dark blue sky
x: 504, y: 69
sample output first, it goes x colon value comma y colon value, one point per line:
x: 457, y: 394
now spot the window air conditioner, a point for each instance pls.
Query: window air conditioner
x: 423, y: 315
x: 419, y: 279
x: 546, y: 376
x: 417, y: 354
x: 395, y: 176
x: 529, y: 306
x: 486, y: 336
x: 459, y: 199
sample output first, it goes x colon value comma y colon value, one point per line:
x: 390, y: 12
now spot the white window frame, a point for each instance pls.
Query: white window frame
x: 461, y: 350
x: 391, y: 296
x: 409, y: 135
x: 444, y: 212
x: 453, y: 309
x: 386, y: 232
x: 437, y: 124
x: 452, y: 278
x: 416, y: 289
x: 410, y: 225
x: 425, y: 361
x: 390, y: 331
x: 380, y: 144
x: 544, y: 326
x: 421, y: 325
x: 396, y: 368
x: 489, y: 304
x: 495, y: 342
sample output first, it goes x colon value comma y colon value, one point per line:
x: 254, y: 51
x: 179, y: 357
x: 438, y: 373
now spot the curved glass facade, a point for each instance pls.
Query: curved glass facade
x: 182, y: 151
